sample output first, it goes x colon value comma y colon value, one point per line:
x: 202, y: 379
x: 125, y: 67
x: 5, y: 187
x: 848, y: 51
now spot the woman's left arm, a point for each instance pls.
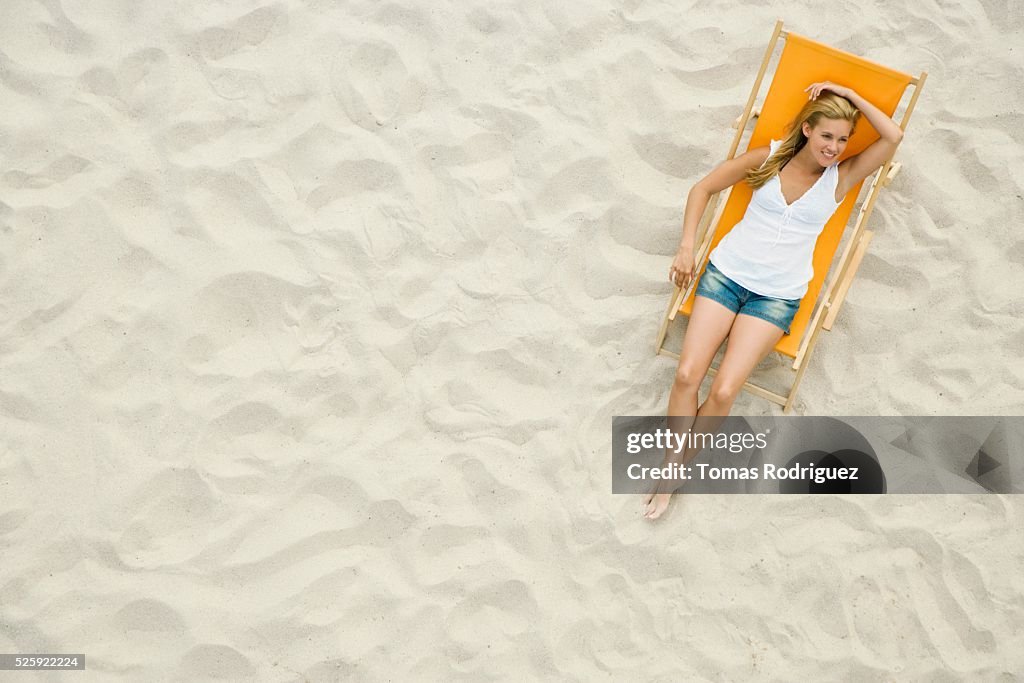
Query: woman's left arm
x: 859, y: 167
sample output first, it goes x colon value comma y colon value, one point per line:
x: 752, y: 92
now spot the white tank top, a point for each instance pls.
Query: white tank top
x: 771, y: 250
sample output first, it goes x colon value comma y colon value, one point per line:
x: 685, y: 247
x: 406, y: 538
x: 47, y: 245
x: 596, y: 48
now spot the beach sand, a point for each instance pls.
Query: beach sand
x: 316, y: 316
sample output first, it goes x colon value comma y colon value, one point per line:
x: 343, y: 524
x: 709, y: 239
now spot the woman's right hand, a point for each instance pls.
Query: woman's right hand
x: 681, y: 272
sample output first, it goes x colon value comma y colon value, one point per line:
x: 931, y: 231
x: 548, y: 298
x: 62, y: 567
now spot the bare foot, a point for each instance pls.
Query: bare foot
x: 655, y: 504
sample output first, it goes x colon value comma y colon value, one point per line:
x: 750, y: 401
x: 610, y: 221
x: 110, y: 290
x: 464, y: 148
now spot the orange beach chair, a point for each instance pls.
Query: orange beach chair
x: 802, y: 62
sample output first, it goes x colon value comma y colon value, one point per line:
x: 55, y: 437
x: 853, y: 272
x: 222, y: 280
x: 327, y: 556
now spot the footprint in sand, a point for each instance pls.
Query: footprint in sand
x: 372, y: 84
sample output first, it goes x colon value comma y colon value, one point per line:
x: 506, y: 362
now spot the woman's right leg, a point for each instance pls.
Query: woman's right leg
x: 709, y: 325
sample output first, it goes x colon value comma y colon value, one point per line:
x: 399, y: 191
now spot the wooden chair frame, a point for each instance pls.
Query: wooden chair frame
x: 836, y: 287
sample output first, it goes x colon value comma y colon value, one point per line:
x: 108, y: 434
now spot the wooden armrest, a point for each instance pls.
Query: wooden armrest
x: 894, y: 170
x: 755, y: 112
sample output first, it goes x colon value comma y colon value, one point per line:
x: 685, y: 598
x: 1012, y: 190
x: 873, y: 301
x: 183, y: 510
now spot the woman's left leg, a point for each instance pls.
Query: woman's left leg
x: 750, y: 340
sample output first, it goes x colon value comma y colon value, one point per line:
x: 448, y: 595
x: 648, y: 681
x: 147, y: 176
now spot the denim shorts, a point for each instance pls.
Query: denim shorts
x: 738, y: 299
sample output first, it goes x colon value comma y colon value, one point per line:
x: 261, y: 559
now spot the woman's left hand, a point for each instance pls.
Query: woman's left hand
x: 818, y: 88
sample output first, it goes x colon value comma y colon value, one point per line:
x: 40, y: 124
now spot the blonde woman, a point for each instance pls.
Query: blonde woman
x: 758, y: 273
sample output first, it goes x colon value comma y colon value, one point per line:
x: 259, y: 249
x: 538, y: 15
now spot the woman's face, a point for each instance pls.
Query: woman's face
x: 827, y: 140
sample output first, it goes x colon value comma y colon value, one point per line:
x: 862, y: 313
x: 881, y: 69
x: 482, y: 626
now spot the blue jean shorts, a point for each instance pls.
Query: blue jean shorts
x: 738, y: 299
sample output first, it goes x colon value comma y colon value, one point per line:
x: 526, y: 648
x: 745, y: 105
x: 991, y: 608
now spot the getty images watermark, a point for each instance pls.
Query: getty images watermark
x: 799, y: 454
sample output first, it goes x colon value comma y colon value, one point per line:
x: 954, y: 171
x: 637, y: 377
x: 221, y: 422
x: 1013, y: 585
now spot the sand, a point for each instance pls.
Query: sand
x: 315, y: 317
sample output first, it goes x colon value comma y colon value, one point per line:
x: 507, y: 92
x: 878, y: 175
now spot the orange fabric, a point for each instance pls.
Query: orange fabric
x: 803, y: 62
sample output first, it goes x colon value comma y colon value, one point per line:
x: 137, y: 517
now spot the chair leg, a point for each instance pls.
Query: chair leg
x: 754, y: 113
x: 741, y: 124
x: 659, y: 344
x: 848, y: 276
x: 791, y: 398
x: 803, y: 362
x: 894, y: 171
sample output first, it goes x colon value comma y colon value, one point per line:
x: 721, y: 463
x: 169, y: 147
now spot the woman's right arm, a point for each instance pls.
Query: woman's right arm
x: 724, y: 176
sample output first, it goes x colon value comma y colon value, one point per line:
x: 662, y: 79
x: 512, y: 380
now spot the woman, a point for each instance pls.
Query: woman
x: 758, y: 273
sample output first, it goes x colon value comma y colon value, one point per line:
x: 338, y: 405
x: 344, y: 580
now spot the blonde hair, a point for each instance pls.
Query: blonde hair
x: 828, y: 105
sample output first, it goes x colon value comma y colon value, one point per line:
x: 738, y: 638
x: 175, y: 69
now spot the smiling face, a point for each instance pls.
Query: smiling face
x: 827, y: 140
